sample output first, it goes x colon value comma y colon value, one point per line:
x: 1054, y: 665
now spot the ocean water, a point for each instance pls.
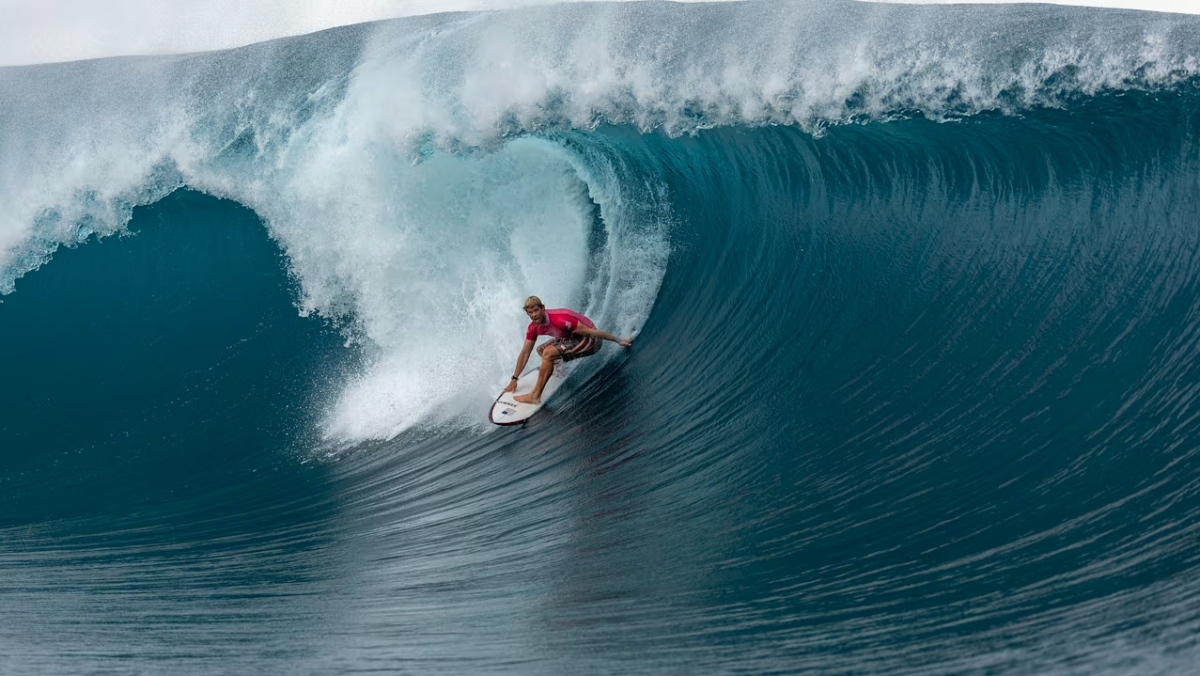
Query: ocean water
x: 916, y: 298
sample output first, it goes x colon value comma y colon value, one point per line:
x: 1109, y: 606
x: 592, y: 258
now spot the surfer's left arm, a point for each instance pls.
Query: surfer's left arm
x: 604, y: 335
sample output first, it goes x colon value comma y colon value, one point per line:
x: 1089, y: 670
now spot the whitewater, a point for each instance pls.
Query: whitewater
x: 912, y: 390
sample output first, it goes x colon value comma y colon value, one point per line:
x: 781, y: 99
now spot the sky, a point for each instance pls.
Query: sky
x: 44, y: 31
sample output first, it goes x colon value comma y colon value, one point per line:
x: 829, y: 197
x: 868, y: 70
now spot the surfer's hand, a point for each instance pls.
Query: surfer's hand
x: 512, y: 386
x: 625, y: 342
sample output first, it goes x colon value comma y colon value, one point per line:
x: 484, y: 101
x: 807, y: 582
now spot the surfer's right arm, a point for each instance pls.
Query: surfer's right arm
x: 522, y: 359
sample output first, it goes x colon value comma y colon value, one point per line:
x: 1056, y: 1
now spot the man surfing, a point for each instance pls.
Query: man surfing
x: 574, y: 336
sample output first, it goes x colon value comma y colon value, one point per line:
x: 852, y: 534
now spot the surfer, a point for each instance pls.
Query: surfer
x: 574, y: 336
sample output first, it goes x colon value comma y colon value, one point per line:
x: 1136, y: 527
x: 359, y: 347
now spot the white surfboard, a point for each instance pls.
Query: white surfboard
x: 506, y: 411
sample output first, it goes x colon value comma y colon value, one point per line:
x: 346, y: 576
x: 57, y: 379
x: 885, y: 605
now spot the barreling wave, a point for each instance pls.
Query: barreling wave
x: 374, y: 152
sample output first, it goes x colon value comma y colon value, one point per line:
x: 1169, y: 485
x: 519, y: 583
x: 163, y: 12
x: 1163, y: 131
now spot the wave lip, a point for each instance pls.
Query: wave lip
x: 235, y: 123
x: 242, y: 123
x: 682, y: 68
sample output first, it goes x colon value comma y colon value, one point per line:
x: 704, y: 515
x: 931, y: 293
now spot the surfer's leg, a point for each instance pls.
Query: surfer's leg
x: 549, y: 356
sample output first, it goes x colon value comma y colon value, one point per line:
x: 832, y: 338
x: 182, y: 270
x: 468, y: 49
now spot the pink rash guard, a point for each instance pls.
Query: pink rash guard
x: 559, y: 324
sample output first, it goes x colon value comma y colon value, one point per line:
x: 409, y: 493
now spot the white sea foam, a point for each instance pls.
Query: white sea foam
x: 439, y: 266
x: 433, y: 258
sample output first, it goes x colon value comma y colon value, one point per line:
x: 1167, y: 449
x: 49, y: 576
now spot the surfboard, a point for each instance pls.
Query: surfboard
x: 506, y: 411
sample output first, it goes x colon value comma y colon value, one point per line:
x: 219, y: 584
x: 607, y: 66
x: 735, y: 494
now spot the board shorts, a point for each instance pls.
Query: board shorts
x: 577, y: 346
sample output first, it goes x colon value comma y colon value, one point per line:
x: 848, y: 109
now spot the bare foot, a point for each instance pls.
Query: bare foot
x: 527, y: 399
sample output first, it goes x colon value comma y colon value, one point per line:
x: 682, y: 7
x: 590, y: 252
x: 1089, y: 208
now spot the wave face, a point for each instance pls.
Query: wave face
x: 915, y: 292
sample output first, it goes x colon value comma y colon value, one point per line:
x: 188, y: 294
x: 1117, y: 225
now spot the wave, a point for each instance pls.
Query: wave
x: 372, y: 151
x: 913, y: 389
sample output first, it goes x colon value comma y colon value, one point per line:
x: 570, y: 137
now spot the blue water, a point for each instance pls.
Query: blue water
x: 916, y: 298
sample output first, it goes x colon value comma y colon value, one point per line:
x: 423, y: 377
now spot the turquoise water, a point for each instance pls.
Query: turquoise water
x: 915, y: 297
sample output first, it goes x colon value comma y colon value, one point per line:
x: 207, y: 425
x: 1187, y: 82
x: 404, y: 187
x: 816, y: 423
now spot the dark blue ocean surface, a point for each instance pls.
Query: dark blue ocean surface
x: 913, y: 388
